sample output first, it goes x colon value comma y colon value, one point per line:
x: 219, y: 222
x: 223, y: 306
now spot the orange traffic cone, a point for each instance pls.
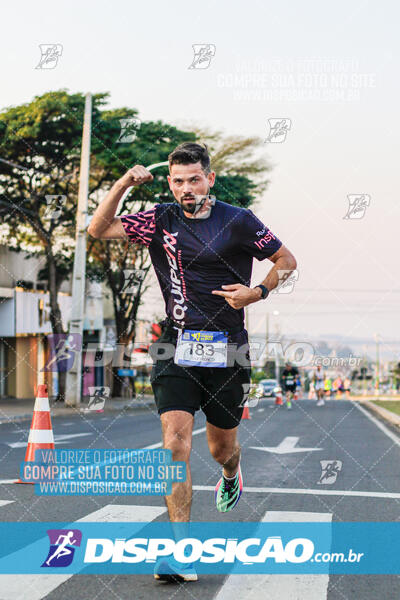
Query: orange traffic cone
x: 278, y: 399
x: 246, y: 412
x: 296, y: 395
x: 41, y: 433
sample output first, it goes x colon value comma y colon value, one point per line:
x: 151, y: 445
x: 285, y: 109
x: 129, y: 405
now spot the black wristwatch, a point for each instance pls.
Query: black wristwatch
x: 264, y: 291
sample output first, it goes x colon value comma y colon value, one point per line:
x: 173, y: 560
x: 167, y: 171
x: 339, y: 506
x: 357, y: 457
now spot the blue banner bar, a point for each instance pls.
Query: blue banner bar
x: 250, y: 548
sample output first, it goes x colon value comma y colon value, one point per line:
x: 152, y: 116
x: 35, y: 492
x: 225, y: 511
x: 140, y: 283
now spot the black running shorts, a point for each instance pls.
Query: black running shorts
x: 219, y: 392
x: 290, y: 388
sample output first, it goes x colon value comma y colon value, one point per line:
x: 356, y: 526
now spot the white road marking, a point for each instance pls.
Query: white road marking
x: 283, y: 516
x: 4, y: 502
x: 390, y: 434
x: 320, y: 492
x: 62, y: 438
x: 124, y: 513
x: 287, y: 446
x: 277, y: 587
x: 35, y: 587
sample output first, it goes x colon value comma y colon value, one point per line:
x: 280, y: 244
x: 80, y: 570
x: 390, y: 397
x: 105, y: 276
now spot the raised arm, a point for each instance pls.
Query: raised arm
x: 105, y: 225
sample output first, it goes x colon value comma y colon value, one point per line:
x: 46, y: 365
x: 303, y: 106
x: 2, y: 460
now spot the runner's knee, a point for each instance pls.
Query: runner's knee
x: 177, y: 433
x: 179, y: 444
x: 222, y: 453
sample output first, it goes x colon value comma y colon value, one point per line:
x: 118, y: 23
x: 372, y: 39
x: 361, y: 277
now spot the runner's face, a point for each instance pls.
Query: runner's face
x: 186, y: 181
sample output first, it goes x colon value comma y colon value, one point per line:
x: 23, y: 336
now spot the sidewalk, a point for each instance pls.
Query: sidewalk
x: 12, y: 410
x: 383, y: 412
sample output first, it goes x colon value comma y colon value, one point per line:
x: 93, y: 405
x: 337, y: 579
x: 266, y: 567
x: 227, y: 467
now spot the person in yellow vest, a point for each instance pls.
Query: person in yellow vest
x: 328, y: 386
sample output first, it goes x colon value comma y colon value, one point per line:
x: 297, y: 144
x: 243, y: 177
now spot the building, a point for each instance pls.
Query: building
x: 25, y: 325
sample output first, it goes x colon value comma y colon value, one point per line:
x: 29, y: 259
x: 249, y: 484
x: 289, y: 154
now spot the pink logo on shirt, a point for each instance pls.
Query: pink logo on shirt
x: 264, y: 241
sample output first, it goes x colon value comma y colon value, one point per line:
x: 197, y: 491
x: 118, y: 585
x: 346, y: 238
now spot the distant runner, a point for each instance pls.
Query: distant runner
x: 319, y: 378
x: 289, y: 383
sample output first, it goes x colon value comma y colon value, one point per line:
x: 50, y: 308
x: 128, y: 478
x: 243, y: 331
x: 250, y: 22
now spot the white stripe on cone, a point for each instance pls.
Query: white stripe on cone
x: 41, y: 405
x: 41, y: 436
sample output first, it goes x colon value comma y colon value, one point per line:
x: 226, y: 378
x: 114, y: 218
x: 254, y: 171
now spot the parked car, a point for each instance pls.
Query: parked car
x: 268, y: 388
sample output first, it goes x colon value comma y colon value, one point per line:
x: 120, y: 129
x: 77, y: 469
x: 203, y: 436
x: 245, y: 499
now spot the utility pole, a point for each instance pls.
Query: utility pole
x: 74, y: 375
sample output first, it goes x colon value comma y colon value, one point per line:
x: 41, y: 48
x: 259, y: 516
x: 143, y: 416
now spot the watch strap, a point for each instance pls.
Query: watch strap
x: 264, y: 291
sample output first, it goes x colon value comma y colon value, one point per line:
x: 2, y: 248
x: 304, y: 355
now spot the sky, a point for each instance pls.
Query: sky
x: 329, y: 70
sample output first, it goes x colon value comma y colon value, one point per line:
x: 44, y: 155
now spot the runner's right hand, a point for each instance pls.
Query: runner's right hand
x: 136, y: 176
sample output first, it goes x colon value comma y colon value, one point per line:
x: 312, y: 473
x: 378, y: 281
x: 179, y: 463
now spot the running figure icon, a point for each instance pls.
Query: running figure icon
x: 62, y: 549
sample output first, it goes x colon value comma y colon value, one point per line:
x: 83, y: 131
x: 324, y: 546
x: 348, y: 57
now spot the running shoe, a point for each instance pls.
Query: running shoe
x: 227, y: 493
x: 289, y: 404
x: 321, y: 402
x: 168, y: 569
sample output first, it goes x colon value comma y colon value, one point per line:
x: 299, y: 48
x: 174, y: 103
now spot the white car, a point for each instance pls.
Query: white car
x: 268, y: 388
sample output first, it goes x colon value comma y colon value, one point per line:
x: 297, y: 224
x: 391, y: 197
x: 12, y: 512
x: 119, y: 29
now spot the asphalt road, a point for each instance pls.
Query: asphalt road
x: 276, y: 478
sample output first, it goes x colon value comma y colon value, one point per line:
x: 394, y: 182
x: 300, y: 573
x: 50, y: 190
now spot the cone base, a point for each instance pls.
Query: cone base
x: 26, y: 482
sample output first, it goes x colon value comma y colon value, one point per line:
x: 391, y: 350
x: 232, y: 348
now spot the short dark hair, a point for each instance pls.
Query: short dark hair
x: 190, y: 153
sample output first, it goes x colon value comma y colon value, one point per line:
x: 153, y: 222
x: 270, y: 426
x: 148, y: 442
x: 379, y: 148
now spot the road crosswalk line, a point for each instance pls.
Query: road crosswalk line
x: 276, y: 587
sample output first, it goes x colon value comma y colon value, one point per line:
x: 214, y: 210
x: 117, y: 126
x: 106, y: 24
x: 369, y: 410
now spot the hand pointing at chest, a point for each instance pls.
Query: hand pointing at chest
x: 238, y: 295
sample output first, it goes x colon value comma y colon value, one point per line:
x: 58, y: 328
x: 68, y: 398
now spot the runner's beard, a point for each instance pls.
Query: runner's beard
x: 199, y: 206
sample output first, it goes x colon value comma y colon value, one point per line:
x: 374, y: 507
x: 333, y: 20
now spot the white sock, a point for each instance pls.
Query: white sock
x: 229, y: 478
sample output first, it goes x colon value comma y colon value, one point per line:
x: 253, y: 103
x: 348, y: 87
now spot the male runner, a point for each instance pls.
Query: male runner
x: 202, y: 251
x: 289, y: 382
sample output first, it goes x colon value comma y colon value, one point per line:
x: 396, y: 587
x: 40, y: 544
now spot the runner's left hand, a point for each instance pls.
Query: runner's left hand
x: 238, y: 295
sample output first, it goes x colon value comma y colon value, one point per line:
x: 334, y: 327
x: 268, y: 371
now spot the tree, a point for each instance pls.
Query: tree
x: 37, y: 197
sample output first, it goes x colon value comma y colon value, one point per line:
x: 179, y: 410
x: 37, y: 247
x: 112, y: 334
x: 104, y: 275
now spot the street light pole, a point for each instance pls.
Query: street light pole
x: 74, y: 375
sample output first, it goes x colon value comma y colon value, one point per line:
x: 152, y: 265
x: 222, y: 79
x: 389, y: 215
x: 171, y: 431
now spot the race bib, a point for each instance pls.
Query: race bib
x: 201, y: 348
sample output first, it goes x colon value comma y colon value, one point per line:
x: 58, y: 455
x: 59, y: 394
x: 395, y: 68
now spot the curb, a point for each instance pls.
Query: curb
x: 383, y: 412
x: 69, y: 412
x: 373, y: 398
